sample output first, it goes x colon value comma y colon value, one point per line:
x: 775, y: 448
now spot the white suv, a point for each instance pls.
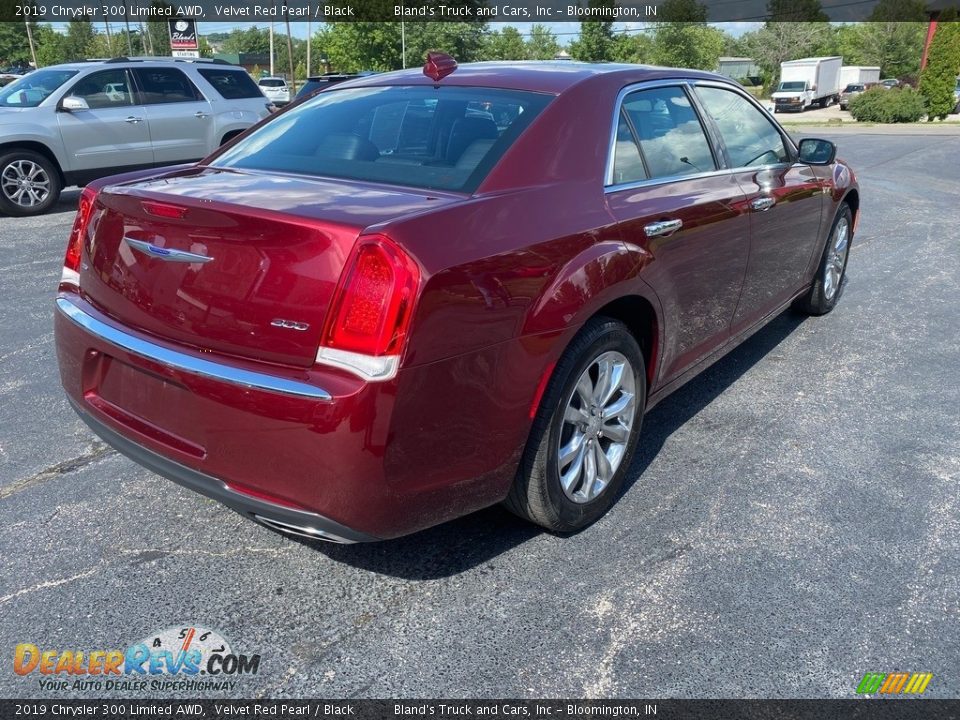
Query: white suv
x: 275, y: 89
x: 69, y: 124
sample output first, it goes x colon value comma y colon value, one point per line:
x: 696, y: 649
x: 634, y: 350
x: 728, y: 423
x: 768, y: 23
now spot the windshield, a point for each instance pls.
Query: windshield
x: 33, y: 89
x: 447, y: 138
x: 853, y: 88
x: 792, y: 86
x: 272, y: 82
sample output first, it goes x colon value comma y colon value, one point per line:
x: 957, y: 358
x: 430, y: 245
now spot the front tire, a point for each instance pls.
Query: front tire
x: 29, y: 183
x: 585, y: 431
x: 828, y: 282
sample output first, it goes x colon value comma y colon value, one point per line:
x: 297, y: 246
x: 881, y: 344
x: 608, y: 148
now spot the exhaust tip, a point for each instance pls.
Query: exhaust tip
x: 300, y: 531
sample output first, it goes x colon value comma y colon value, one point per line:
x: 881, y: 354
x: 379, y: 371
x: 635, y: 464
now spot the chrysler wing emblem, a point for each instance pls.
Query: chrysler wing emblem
x: 166, y: 254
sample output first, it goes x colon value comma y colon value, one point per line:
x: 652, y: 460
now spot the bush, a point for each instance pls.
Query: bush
x: 938, y: 79
x: 888, y: 106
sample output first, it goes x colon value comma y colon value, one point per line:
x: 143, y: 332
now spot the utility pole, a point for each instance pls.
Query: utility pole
x: 33, y: 50
x: 403, y: 44
x: 293, y: 75
x: 109, y: 38
x: 309, y: 43
x: 271, y: 48
x: 126, y: 20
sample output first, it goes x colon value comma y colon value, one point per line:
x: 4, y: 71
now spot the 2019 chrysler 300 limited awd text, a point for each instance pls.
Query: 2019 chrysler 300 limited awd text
x: 417, y: 294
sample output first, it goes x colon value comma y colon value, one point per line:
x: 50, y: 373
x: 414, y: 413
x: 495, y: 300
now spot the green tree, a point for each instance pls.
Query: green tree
x: 683, y: 38
x: 79, y: 36
x: 13, y: 44
x: 50, y: 46
x: 248, y: 40
x: 542, y: 43
x: 507, y: 44
x: 894, y: 46
x: 595, y: 42
x: 939, y: 77
x: 354, y: 46
x: 461, y: 40
x: 632, y: 48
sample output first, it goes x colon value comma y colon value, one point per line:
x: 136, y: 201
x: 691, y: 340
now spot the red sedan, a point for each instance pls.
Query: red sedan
x: 418, y: 294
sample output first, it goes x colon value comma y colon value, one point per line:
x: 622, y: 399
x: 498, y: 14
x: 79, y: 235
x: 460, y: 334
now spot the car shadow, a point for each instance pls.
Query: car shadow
x: 477, y: 539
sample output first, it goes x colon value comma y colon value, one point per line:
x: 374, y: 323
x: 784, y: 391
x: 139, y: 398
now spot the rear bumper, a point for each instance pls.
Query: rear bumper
x: 314, y: 451
x: 277, y: 517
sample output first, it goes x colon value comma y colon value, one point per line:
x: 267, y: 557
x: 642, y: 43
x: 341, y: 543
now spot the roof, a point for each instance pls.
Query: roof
x: 551, y: 76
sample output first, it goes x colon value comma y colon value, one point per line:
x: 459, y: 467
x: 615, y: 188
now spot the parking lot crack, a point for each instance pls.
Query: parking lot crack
x: 97, y: 451
x: 49, y: 584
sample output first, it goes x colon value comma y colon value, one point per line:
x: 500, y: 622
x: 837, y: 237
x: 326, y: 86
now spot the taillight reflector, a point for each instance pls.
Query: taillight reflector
x: 373, y: 305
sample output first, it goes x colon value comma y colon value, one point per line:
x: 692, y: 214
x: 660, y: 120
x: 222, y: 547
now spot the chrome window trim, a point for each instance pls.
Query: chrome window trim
x: 186, y: 363
x: 689, y: 84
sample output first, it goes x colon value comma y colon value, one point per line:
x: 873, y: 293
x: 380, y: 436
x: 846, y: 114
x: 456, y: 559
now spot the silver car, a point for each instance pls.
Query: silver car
x: 69, y: 124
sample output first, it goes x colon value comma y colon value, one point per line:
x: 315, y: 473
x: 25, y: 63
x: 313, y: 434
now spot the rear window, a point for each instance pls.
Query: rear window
x: 444, y: 138
x: 231, y: 84
x: 162, y: 86
x: 272, y: 82
x: 854, y: 88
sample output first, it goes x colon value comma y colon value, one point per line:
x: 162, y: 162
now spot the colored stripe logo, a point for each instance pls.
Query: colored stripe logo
x: 894, y: 683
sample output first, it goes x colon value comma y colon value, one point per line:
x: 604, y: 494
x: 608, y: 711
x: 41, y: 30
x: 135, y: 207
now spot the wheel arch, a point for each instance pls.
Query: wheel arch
x: 640, y: 317
x: 37, y: 147
x: 852, y: 198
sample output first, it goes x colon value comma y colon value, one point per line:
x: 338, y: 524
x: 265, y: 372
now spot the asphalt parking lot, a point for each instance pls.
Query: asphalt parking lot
x: 792, y: 522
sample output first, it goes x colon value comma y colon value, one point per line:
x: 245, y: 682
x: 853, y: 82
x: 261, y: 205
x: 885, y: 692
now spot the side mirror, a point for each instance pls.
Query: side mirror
x: 72, y: 103
x: 814, y: 151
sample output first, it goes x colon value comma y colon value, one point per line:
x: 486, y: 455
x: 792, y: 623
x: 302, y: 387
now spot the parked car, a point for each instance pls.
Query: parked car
x: 275, y: 89
x: 890, y: 83
x: 375, y: 312
x: 956, y: 98
x: 849, y: 93
x: 69, y: 124
x: 315, y: 83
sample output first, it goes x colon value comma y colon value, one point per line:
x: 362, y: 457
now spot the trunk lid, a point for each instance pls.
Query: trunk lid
x: 276, y: 247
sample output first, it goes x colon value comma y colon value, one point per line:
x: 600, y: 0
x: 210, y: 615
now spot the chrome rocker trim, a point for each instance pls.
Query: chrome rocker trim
x: 187, y: 363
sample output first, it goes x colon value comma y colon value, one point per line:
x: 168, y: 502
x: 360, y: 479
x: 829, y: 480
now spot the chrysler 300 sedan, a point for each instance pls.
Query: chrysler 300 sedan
x: 418, y: 294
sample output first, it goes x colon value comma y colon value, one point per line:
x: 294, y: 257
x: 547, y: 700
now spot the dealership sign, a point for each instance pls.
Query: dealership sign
x: 183, y: 34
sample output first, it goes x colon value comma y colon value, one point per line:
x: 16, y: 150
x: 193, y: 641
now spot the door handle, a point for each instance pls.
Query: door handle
x: 762, y: 204
x: 662, y: 228
x: 200, y: 115
x: 133, y: 119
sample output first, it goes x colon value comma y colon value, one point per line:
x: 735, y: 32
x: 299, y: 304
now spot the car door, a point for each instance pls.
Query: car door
x: 112, y: 133
x: 785, y: 199
x: 666, y: 191
x: 179, y: 116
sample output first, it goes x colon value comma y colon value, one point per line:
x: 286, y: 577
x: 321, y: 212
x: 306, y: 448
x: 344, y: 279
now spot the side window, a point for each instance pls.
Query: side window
x: 749, y: 136
x: 231, y: 84
x: 627, y: 163
x: 165, y: 85
x: 671, y: 137
x: 106, y: 89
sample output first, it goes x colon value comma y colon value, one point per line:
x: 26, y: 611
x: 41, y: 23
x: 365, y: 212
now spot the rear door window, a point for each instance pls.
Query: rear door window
x: 749, y: 136
x: 231, y: 84
x: 672, y: 140
x: 160, y: 86
x: 445, y: 138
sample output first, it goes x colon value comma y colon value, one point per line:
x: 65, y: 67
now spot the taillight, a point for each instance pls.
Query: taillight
x: 371, y: 311
x: 71, y: 262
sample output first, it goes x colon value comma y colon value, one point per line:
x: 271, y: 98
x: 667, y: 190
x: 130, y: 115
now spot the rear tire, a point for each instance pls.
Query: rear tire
x: 828, y: 282
x: 29, y: 183
x: 585, y: 431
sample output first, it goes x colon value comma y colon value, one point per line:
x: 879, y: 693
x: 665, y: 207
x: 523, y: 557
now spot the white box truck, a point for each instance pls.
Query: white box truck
x: 808, y: 82
x: 858, y: 75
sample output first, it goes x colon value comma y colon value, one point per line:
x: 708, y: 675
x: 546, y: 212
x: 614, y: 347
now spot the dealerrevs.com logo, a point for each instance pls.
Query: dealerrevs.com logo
x: 178, y: 659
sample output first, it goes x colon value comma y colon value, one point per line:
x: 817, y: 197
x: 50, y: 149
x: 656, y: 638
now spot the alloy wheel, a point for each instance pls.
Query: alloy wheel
x: 837, y: 258
x: 25, y: 183
x: 597, y: 421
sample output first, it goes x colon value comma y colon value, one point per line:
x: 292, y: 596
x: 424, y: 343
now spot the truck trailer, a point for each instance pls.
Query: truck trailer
x: 858, y: 75
x: 808, y: 82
